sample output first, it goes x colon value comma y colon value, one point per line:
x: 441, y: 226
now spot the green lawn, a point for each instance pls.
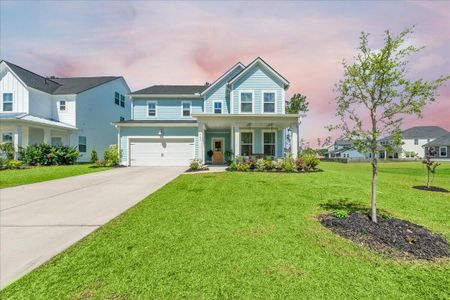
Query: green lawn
x: 247, y: 236
x: 9, y: 178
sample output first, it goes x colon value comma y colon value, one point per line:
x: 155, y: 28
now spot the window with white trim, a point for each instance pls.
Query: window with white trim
x: 7, y: 137
x: 82, y: 144
x: 151, y: 109
x: 217, y: 107
x: 246, y: 143
x: 7, y: 102
x: 443, y: 151
x: 122, y: 100
x: 269, y: 140
x: 246, y: 102
x: 269, y: 102
x: 186, y: 109
x: 62, y: 105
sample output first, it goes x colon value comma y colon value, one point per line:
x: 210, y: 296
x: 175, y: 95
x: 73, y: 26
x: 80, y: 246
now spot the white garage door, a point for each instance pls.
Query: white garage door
x: 161, y: 152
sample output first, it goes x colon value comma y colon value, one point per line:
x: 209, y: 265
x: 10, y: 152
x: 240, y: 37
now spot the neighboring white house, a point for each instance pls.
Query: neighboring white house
x: 413, y: 140
x: 74, y: 111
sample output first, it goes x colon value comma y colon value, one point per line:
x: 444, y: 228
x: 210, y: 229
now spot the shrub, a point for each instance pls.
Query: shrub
x: 252, y: 163
x: 195, y: 164
x: 47, y: 155
x: 111, y: 155
x: 311, y: 162
x: 277, y: 164
x: 101, y: 163
x: 232, y: 166
x: 14, y: 164
x: 260, y: 165
x: 7, y: 150
x: 431, y: 170
x: 287, y: 165
x: 269, y: 164
x: 3, y: 162
x: 340, y: 214
x: 94, y: 156
x: 244, y: 167
x: 228, y: 156
x: 300, y: 164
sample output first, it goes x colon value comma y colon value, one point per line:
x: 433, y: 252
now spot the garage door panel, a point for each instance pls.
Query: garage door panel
x: 161, y: 152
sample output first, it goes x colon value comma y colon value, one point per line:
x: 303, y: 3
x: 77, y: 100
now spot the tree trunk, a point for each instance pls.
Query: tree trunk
x: 374, y: 187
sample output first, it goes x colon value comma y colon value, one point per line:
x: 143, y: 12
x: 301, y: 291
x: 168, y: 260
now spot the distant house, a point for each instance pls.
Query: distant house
x: 345, y: 149
x: 439, y: 148
x: 413, y: 140
x: 75, y: 111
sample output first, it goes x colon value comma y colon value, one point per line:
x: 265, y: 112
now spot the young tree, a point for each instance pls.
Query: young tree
x: 376, y: 92
x: 296, y: 105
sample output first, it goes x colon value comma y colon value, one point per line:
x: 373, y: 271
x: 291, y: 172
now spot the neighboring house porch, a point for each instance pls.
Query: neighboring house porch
x: 22, y: 130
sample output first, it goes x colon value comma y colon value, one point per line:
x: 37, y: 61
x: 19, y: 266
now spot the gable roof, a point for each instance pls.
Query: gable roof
x: 440, y: 141
x: 171, y: 90
x: 263, y: 63
x: 239, y: 64
x: 421, y: 132
x: 58, y: 86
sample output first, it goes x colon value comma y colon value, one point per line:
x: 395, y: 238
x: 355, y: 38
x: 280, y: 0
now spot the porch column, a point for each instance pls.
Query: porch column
x: 385, y: 154
x: 47, y: 136
x: 201, y: 141
x: 237, y: 139
x: 17, y: 140
x: 294, y: 140
x: 25, y: 136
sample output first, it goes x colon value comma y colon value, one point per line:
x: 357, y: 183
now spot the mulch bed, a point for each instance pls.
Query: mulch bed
x: 393, y: 237
x: 194, y: 171
x: 431, y: 188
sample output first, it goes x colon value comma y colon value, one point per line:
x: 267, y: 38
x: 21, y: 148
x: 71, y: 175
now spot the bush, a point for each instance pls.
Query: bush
x: 260, y: 165
x: 94, y: 156
x: 3, y: 162
x: 340, y: 214
x: 287, y: 165
x: 111, y: 156
x: 300, y: 164
x: 101, y: 163
x: 14, y: 164
x: 232, y: 166
x: 311, y: 162
x: 7, y: 150
x: 244, y: 167
x: 195, y: 164
x: 47, y: 155
x: 269, y: 165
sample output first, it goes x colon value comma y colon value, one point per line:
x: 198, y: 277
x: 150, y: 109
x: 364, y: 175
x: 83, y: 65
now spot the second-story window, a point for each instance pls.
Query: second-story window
x: 269, y: 102
x: 62, y: 105
x: 116, y: 98
x: 122, y: 100
x: 151, y: 109
x: 217, y: 107
x: 7, y: 102
x: 186, y: 109
x: 246, y: 102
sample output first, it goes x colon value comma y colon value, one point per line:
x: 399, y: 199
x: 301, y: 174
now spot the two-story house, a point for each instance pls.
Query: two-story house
x: 242, y: 112
x: 412, y: 142
x: 74, y: 111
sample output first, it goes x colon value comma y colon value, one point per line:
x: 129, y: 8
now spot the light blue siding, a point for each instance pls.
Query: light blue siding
x: 126, y: 132
x: 219, y: 93
x: 258, y: 80
x: 166, y: 109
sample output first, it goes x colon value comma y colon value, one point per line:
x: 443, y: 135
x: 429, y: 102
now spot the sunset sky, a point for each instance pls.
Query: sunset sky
x: 195, y: 42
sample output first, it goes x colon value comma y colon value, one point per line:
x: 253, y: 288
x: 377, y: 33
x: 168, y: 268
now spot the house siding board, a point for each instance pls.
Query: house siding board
x: 219, y: 93
x: 126, y: 132
x: 95, y: 111
x: 258, y: 80
x: 9, y: 83
x: 40, y: 104
x: 69, y: 115
x: 36, y: 136
x: 166, y: 109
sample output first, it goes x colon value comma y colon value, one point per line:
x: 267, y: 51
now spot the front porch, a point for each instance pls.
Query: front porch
x: 221, y: 138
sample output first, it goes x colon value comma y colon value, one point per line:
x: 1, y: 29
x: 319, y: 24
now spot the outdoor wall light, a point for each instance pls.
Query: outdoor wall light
x: 160, y: 132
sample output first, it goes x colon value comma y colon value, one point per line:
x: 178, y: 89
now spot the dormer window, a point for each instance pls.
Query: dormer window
x: 62, y: 105
x: 7, y: 102
x: 186, y: 109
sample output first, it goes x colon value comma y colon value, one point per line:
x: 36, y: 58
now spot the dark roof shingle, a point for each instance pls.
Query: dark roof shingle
x: 58, y: 86
x: 171, y: 90
x: 421, y: 132
x: 441, y: 141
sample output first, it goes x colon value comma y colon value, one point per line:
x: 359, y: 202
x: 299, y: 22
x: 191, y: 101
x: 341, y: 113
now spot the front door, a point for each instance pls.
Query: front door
x: 218, y: 153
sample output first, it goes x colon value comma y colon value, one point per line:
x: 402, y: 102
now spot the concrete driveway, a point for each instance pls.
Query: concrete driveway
x: 38, y: 221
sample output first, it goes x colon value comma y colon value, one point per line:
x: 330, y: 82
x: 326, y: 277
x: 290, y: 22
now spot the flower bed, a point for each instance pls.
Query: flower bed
x: 303, y: 164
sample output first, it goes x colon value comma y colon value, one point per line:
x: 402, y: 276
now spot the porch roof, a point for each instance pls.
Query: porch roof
x: 26, y: 118
x: 248, y: 120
